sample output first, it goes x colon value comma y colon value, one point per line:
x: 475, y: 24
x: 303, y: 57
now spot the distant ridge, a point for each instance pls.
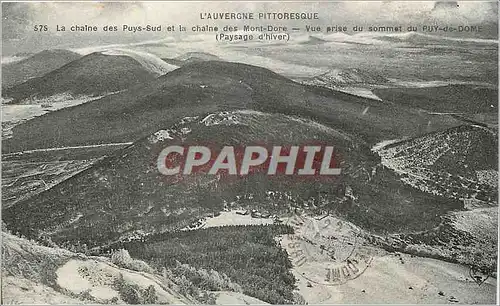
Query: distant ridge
x: 35, y: 66
x: 91, y: 75
x: 191, y: 57
x: 202, y: 87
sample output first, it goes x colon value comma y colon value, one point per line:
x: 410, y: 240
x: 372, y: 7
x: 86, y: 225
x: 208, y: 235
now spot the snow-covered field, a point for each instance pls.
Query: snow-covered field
x: 14, y: 114
x: 403, y: 279
x: 149, y: 61
x: 232, y: 218
x: 388, y: 278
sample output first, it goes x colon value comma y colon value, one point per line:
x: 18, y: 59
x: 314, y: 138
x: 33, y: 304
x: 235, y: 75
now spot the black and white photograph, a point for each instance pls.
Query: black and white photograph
x: 249, y: 153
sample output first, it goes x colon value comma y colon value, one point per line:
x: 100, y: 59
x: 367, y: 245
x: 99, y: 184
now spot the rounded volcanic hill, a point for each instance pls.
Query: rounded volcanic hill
x: 192, y: 57
x: 35, y: 65
x: 125, y: 193
x: 92, y: 75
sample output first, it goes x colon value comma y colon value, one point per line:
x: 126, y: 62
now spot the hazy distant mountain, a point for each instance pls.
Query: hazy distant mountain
x: 26, y: 54
x: 450, y: 39
x: 35, y: 66
x: 17, y: 57
x: 92, y: 75
x: 347, y: 77
x: 463, y: 98
x: 313, y: 40
x: 191, y: 57
x: 150, y: 61
x: 353, y: 81
x: 197, y: 56
x: 445, y: 5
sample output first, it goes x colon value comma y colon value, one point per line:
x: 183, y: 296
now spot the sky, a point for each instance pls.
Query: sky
x: 19, y: 18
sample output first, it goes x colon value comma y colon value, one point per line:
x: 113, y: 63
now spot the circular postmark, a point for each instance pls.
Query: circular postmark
x: 326, y: 250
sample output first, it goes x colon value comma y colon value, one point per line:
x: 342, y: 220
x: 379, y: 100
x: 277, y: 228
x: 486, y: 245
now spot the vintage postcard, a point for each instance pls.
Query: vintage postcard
x: 249, y: 152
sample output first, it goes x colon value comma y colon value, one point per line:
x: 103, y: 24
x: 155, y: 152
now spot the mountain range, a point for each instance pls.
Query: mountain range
x: 410, y: 175
x: 210, y: 86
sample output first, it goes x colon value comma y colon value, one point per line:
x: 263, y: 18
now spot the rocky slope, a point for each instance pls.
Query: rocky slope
x: 34, y: 273
x: 458, y: 163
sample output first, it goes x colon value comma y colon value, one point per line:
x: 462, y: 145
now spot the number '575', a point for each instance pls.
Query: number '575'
x: 40, y: 28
